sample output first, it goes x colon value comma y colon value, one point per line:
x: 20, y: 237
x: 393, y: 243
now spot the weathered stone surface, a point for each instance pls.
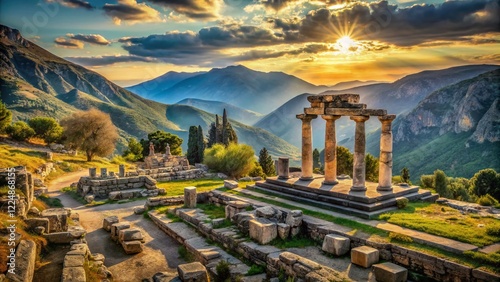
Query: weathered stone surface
x: 39, y: 230
x: 234, y: 207
x: 262, y: 230
x: 166, y: 277
x: 190, y: 197
x: 58, y: 219
x: 32, y: 223
x: 132, y: 247
x: 283, y: 230
x: 364, y: 256
x: 222, y: 175
x: 113, y: 196
x: 116, y: 227
x: 73, y: 274
x: 34, y: 211
x: 266, y: 212
x: 139, y: 210
x: 25, y: 262
x: 230, y: 184
x: 336, y: 244
x: 89, y: 198
x: 74, y: 261
x: 390, y: 272
x: 108, y: 221
x: 64, y: 237
x: 130, y: 234
x: 216, y: 223
x: 294, y: 221
x: 193, y: 272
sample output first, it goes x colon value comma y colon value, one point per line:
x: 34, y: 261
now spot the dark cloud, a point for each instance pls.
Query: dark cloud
x: 74, y: 4
x: 267, y: 54
x: 68, y: 43
x: 131, y: 11
x: 107, y: 60
x: 195, y: 9
x: 90, y: 38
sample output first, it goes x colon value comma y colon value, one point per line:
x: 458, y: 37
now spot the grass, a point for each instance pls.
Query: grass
x: 51, y: 202
x: 212, y: 211
x: 446, y: 222
x: 185, y: 254
x: 176, y: 187
x: 255, y: 269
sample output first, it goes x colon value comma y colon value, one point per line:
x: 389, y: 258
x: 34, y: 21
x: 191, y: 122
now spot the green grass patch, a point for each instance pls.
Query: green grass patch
x: 212, y: 211
x: 255, y: 269
x: 176, y: 187
x: 51, y: 202
x: 446, y: 222
x: 295, y: 242
x: 185, y: 254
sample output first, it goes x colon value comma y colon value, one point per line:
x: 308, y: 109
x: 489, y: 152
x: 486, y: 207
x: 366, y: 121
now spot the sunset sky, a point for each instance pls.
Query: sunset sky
x: 323, y: 42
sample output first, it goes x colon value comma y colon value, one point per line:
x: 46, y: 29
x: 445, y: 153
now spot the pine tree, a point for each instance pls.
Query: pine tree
x: 229, y: 135
x: 316, y: 162
x: 405, y: 175
x: 266, y: 162
x: 192, y: 152
x: 201, y: 145
x: 212, y: 132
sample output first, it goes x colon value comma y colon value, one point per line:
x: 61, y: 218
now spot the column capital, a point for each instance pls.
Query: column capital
x: 386, y: 118
x: 305, y: 117
x: 359, y: 118
x: 330, y: 117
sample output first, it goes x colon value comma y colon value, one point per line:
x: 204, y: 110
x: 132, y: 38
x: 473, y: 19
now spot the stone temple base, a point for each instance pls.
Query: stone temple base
x: 339, y: 197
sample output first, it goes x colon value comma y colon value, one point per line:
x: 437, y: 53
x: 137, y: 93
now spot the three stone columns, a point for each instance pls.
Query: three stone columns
x: 330, y: 151
x: 385, y: 159
x: 307, y: 149
x: 359, y: 166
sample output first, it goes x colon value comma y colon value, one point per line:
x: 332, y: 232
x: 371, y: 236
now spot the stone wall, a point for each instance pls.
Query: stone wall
x: 24, y: 183
x: 103, y: 187
x: 161, y: 161
x: 170, y: 173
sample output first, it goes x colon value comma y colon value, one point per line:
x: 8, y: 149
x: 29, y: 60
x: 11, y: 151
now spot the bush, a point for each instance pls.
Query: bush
x: 46, y: 128
x: 20, y: 131
x: 223, y: 271
x: 234, y: 160
x: 402, y: 203
x: 257, y: 171
x: 441, y: 183
x: 427, y: 181
x: 256, y: 269
x: 400, y: 237
x: 486, y: 181
x: 487, y: 200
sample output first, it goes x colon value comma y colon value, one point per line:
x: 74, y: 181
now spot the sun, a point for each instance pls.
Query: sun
x: 346, y: 45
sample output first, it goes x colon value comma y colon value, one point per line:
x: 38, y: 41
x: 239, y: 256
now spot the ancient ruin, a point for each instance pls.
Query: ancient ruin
x: 355, y: 196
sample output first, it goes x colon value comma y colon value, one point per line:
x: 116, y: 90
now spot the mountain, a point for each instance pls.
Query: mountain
x: 34, y: 82
x: 399, y: 96
x: 161, y: 83
x: 214, y: 107
x: 352, y: 84
x: 455, y: 129
x: 239, y: 86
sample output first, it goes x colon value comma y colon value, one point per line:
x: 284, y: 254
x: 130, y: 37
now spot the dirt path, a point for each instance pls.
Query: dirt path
x: 160, y: 252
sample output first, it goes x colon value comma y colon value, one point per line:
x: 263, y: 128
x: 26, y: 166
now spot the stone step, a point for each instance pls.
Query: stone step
x: 431, y: 198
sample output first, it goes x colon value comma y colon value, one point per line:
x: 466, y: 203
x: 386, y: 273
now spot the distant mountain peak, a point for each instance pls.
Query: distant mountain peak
x: 13, y: 35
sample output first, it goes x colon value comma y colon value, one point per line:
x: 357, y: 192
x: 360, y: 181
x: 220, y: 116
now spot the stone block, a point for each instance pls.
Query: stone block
x: 115, y: 195
x: 364, y: 256
x: 33, y: 223
x: 130, y: 234
x: 266, y: 212
x: 89, y: 198
x: 132, y: 247
x: 294, y: 218
x: 25, y: 262
x: 58, y: 219
x: 64, y: 237
x: 116, y: 227
x: 166, y: 277
x: 390, y: 272
x: 193, y: 272
x: 139, y: 210
x: 218, y: 222
x: 73, y: 261
x: 336, y: 244
x: 230, y: 184
x: 262, y: 230
x: 190, y: 197
x: 108, y: 221
x: 73, y: 274
x: 283, y: 230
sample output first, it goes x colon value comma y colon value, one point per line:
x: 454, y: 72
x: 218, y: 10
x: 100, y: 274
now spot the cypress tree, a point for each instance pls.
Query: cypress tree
x: 192, y: 152
x: 266, y: 162
x: 218, y: 130
x: 201, y: 144
x: 316, y: 162
x: 212, y: 132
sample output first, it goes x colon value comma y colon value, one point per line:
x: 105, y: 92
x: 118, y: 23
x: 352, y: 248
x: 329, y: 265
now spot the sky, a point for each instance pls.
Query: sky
x: 321, y: 41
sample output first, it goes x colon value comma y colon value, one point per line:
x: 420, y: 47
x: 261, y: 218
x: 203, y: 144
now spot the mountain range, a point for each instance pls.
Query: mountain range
x: 35, y: 82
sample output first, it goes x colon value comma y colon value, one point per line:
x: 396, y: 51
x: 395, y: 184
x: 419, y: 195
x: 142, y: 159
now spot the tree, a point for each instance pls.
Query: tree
x: 486, y: 181
x: 234, y: 160
x: 229, y: 135
x: 371, y: 164
x: 316, y: 162
x: 405, y: 175
x: 266, y: 162
x: 427, y: 181
x: 5, y: 117
x: 212, y: 135
x: 20, y: 131
x: 134, y: 151
x: 201, y: 144
x: 458, y: 188
x: 192, y: 151
x: 221, y: 133
x: 160, y: 140
x: 46, y: 128
x: 440, y: 183
x: 257, y: 171
x: 344, y: 161
x: 90, y: 131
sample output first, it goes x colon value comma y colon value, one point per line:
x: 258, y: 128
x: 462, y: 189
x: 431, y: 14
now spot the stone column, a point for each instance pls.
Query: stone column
x: 283, y: 168
x: 307, y: 149
x: 385, y: 158
x: 121, y: 170
x: 330, y: 151
x: 359, y: 167
x: 190, y: 197
x: 92, y: 172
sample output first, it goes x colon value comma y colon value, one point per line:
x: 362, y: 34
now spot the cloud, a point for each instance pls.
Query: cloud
x: 107, y: 60
x: 268, y: 54
x: 74, y: 4
x: 90, y: 38
x: 68, y: 43
x: 131, y: 12
x: 194, y: 9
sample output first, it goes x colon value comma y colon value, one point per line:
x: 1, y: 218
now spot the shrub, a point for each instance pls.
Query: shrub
x: 487, y: 200
x: 402, y: 203
x: 223, y: 271
x: 427, y: 181
x: 46, y: 128
x: 441, y: 183
x: 400, y: 237
x: 5, y: 117
x: 493, y: 230
x: 234, y: 160
x: 256, y: 269
x: 134, y: 151
x: 486, y: 181
x: 20, y: 131
x: 257, y: 171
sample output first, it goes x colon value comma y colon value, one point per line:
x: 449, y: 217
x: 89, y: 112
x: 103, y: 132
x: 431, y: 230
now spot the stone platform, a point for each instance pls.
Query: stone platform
x: 365, y: 204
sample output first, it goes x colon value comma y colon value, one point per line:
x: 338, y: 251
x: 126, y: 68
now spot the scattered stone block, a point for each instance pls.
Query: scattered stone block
x: 230, y: 184
x: 25, y: 262
x: 116, y: 227
x: 34, y: 211
x: 193, y: 272
x: 130, y: 234
x: 39, y: 230
x: 336, y: 244
x: 390, y: 272
x: 108, y: 221
x: 64, y: 237
x: 115, y: 195
x: 364, y: 256
x: 139, y: 210
x: 89, y: 198
x: 234, y: 207
x: 72, y: 274
x: 222, y: 175
x: 33, y: 223
x: 74, y: 261
x: 190, y: 197
x: 283, y: 230
x: 58, y: 219
x: 266, y: 212
x: 262, y: 230
x: 256, y: 178
x: 132, y: 247
x: 166, y: 277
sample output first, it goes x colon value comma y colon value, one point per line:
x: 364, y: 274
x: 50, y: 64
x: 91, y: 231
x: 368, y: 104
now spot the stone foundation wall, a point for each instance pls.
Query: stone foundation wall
x: 23, y: 182
x: 102, y: 187
x: 170, y: 173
